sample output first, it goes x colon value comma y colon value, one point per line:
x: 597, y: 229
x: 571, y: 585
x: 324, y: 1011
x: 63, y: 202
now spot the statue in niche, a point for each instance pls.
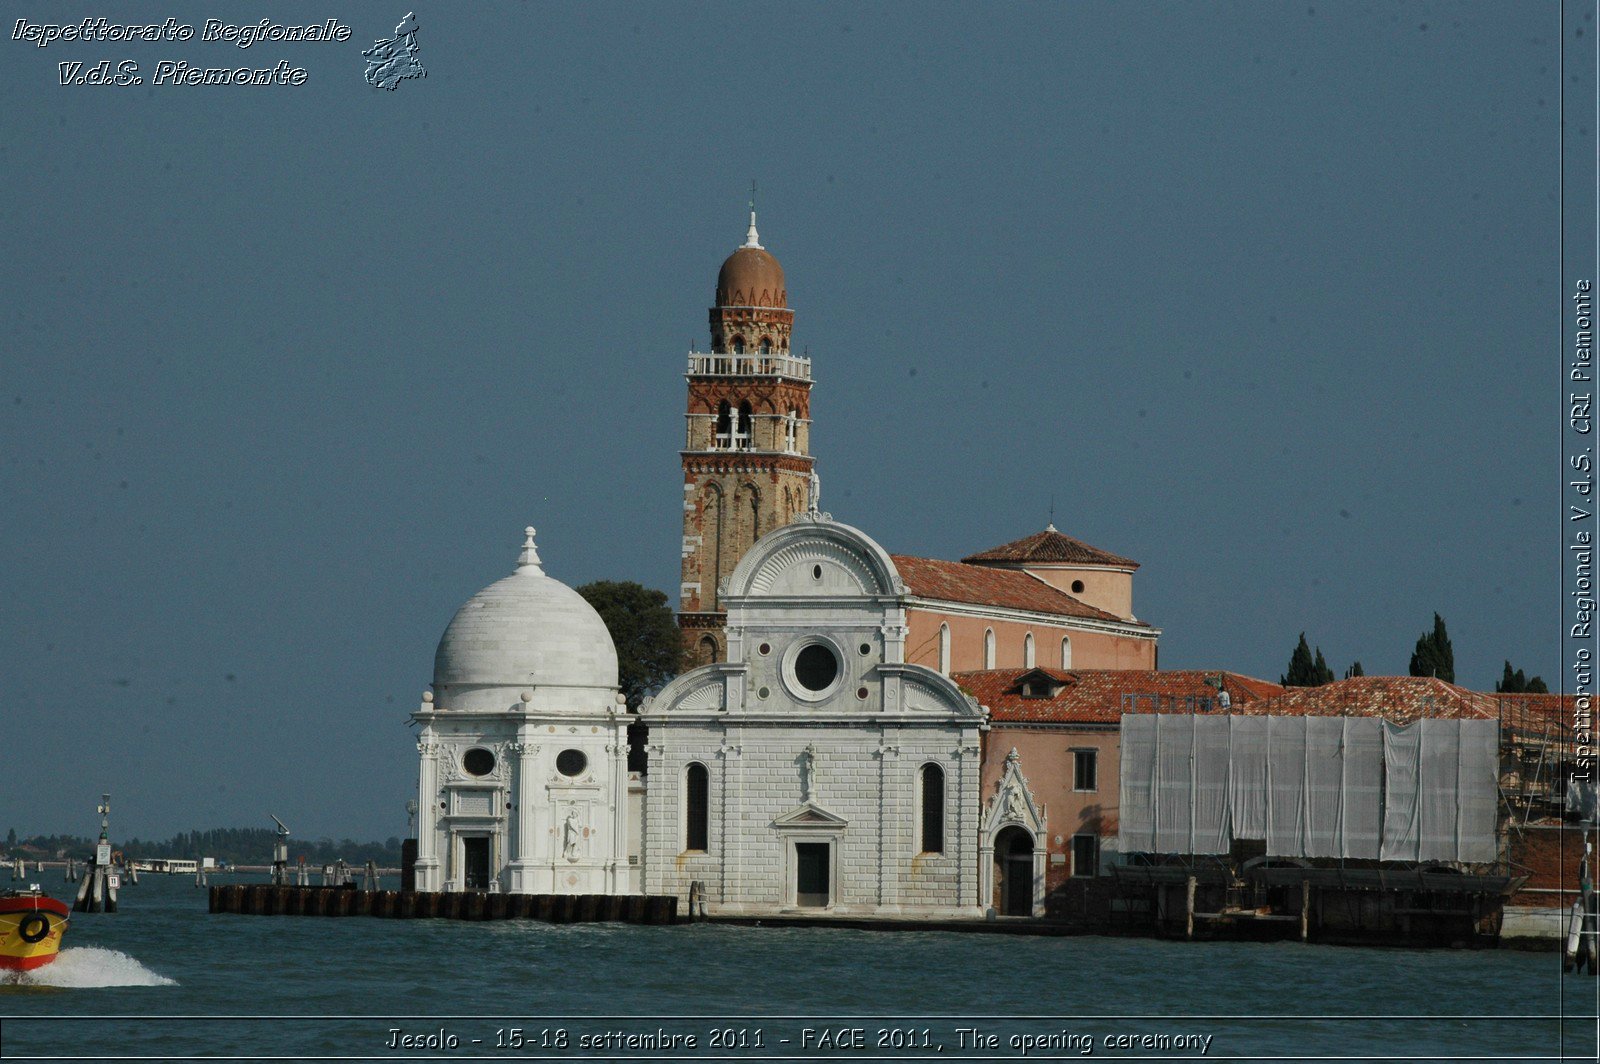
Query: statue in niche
x: 1016, y: 808
x: 570, y: 833
x: 808, y: 774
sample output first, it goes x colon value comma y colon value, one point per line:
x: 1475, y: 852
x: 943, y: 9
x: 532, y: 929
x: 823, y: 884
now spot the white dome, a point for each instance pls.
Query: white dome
x: 522, y: 633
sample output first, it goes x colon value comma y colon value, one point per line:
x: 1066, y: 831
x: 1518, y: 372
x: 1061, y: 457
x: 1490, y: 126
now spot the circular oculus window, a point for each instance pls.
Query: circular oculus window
x: 477, y: 762
x: 571, y: 762
x: 813, y: 669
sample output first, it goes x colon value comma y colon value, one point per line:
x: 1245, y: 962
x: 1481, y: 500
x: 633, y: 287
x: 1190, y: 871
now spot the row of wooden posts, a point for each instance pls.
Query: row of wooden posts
x: 252, y: 899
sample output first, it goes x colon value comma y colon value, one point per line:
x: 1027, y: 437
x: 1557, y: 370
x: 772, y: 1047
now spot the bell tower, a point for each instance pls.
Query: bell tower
x: 747, y: 455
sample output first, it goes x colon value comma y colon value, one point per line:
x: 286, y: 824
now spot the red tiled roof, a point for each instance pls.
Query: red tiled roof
x: 1103, y: 695
x: 1398, y: 698
x: 932, y: 578
x: 1050, y: 546
x: 1537, y: 715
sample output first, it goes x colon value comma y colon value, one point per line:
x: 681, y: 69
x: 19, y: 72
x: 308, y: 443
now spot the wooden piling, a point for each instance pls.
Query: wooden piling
x: 1188, y: 907
x: 1305, y: 910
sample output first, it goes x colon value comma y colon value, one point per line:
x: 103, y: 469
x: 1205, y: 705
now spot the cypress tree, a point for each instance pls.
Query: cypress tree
x: 1354, y: 670
x: 1433, y: 655
x: 1519, y: 683
x: 1322, y: 674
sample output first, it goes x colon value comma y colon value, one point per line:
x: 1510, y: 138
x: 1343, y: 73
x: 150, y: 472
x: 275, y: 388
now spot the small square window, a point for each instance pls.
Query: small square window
x: 1083, y: 770
x: 1085, y: 855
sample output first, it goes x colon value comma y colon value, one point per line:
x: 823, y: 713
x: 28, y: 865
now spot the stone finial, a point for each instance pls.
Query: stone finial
x: 752, y: 239
x: 529, y: 558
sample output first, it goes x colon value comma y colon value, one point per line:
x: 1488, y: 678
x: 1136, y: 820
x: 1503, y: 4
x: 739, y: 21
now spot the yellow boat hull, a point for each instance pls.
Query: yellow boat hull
x: 31, y: 927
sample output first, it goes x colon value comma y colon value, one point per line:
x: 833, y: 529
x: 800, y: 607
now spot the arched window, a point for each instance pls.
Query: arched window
x: 932, y: 809
x: 722, y: 435
x: 755, y: 511
x: 791, y: 426
x: 696, y: 807
x: 988, y: 648
x: 706, y: 653
x: 766, y: 346
x: 738, y: 345
x: 944, y: 649
x: 1066, y: 652
x: 1027, y: 651
x: 745, y: 428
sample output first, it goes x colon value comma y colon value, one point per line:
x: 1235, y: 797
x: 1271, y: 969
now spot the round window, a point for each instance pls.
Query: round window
x: 815, y: 667
x: 1077, y: 587
x: 766, y: 648
x: 866, y: 648
x: 478, y: 762
x: 571, y: 762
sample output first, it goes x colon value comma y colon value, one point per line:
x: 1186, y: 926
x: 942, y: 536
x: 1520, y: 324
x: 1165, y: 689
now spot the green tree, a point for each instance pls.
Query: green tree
x: 1354, y: 670
x: 1321, y: 671
x: 1304, y: 669
x: 649, y: 644
x: 11, y: 839
x: 1517, y: 683
x: 1433, y: 656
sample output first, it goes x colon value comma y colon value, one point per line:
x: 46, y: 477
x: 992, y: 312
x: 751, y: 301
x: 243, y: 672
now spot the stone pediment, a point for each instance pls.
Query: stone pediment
x: 810, y: 815
x: 1013, y: 801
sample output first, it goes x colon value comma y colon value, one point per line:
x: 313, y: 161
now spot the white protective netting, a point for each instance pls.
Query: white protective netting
x: 1354, y: 787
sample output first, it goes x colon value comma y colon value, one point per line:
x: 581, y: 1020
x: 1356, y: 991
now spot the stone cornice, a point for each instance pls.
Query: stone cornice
x: 745, y: 462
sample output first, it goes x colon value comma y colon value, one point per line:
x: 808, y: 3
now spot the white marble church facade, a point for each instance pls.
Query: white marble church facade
x: 523, y: 785
x: 814, y: 770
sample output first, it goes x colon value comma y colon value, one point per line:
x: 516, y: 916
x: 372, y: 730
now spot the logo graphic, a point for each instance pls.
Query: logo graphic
x: 391, y: 62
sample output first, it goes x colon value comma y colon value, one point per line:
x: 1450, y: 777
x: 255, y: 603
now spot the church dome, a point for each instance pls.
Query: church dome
x: 751, y: 277
x: 524, y: 632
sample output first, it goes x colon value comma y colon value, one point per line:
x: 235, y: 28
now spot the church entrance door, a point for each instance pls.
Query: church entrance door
x: 475, y: 862
x: 1013, y: 871
x: 811, y: 874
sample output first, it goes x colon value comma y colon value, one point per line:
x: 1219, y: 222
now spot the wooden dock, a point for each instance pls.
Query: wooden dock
x: 259, y: 899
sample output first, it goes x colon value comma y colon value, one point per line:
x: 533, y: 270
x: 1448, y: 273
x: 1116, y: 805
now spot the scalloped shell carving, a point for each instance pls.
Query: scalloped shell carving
x: 707, y: 697
x: 791, y: 571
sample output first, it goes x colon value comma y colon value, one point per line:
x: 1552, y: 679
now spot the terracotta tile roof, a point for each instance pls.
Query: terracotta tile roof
x: 1101, y: 696
x: 1398, y: 698
x: 1537, y: 715
x: 1050, y: 546
x: 933, y: 578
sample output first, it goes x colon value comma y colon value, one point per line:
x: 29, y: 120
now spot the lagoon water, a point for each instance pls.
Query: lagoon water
x: 161, y: 979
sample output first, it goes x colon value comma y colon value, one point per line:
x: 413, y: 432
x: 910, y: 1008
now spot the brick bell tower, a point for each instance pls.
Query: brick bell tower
x: 747, y: 460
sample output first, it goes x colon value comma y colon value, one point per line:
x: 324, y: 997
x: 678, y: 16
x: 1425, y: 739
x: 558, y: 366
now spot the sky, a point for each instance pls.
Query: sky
x: 1265, y: 296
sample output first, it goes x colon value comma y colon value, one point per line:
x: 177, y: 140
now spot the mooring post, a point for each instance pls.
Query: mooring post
x: 1305, y: 910
x: 1188, y: 907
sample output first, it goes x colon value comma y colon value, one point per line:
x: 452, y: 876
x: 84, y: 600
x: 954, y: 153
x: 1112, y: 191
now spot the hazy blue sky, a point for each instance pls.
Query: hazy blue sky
x: 1262, y: 295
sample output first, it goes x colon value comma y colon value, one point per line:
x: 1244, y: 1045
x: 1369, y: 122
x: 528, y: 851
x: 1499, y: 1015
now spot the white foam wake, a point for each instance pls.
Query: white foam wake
x: 91, y: 966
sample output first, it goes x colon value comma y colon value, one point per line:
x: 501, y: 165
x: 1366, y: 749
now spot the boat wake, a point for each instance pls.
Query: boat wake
x: 90, y: 966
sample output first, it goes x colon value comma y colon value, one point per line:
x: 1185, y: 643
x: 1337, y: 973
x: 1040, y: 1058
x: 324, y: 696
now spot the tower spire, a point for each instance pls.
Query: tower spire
x: 752, y: 239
